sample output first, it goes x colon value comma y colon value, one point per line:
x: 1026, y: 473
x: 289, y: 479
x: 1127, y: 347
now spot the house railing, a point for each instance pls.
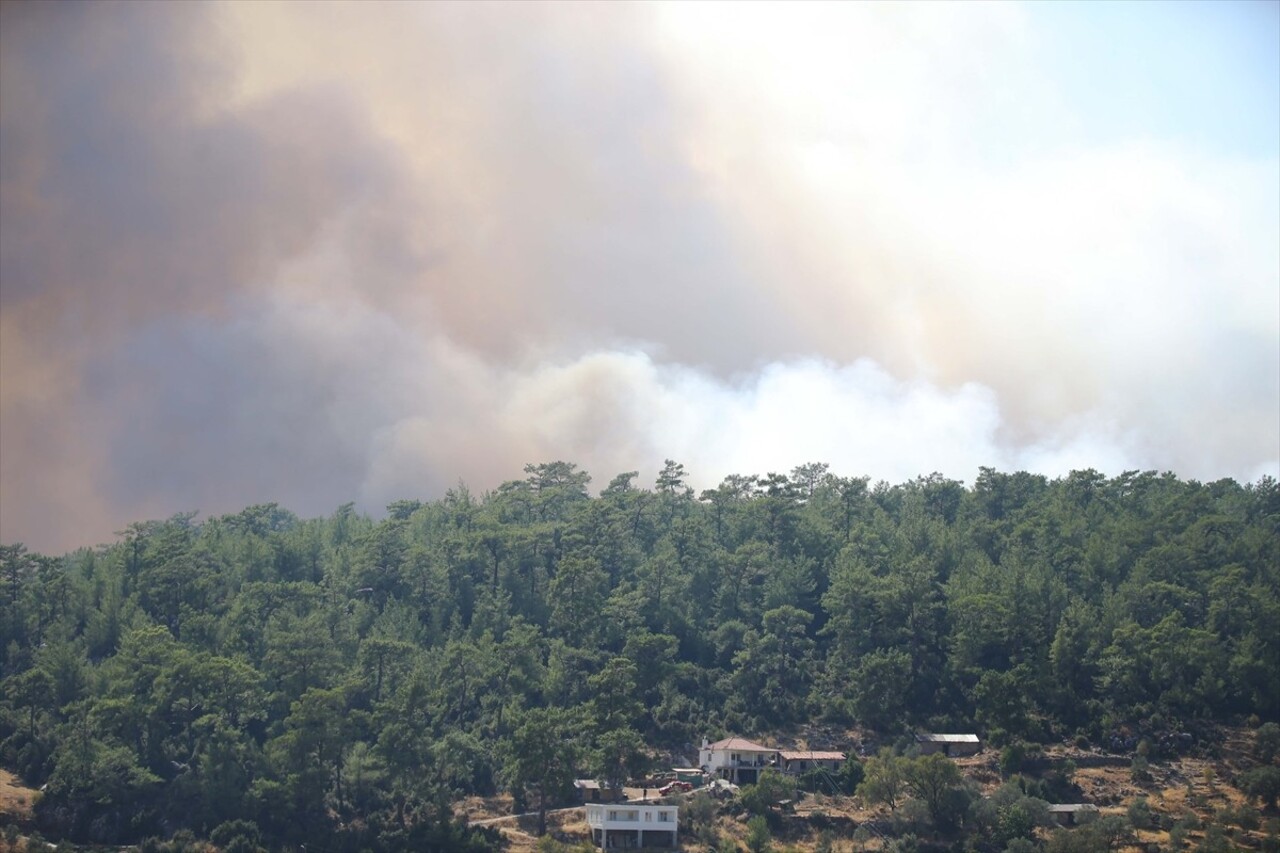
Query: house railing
x: 752, y: 762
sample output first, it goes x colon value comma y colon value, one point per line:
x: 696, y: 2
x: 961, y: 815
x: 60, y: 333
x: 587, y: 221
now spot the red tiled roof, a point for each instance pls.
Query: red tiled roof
x: 741, y: 744
x: 811, y: 756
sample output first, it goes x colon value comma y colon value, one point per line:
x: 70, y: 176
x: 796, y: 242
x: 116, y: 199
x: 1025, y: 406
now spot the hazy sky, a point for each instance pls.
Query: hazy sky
x: 313, y: 253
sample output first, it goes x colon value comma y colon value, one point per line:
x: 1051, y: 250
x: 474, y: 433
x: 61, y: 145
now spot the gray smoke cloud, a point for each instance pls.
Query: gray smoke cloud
x: 262, y: 252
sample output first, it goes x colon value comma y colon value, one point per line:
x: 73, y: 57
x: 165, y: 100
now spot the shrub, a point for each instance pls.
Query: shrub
x: 851, y: 775
x: 1266, y: 742
x: 225, y: 833
x: 1263, y: 784
x: 906, y: 844
x: 819, y: 781
x: 1012, y: 758
x: 1245, y: 817
x: 759, y: 839
x: 1139, y: 813
x: 1214, y: 841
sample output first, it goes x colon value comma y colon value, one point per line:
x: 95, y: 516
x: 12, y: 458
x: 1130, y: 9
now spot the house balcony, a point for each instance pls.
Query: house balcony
x: 758, y: 763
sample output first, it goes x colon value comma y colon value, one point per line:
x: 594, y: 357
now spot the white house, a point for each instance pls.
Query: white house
x: 736, y: 759
x: 620, y: 826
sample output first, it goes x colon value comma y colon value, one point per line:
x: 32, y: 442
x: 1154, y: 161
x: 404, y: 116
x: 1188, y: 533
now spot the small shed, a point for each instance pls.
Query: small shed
x: 949, y: 744
x: 693, y: 775
x: 593, y: 791
x: 1070, y: 814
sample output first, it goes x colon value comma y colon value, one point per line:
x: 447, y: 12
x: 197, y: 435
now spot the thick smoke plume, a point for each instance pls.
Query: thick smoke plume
x: 261, y: 252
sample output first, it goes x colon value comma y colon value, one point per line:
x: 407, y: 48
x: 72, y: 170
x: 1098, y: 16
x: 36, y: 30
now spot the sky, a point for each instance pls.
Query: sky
x: 320, y: 253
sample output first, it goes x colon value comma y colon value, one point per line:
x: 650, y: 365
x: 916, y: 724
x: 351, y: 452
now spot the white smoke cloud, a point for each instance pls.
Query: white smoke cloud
x: 440, y: 413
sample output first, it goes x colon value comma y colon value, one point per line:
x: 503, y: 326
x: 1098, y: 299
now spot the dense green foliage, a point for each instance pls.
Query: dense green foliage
x: 340, y: 681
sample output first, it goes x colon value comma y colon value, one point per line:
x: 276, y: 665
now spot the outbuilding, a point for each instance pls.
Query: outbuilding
x: 592, y: 791
x: 950, y: 745
x: 795, y: 762
x: 1070, y: 814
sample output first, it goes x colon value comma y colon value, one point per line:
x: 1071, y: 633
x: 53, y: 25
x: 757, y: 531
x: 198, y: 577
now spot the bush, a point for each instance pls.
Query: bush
x: 1215, y: 841
x: 1263, y: 784
x: 911, y: 817
x: 759, y: 839
x: 1245, y: 817
x: 906, y: 844
x: 818, y: 781
x: 698, y: 810
x: 1011, y: 758
x: 845, y: 780
x: 851, y: 775
x: 1102, y: 834
x: 1266, y: 743
x: 1139, y: 813
x: 225, y: 833
x: 772, y: 789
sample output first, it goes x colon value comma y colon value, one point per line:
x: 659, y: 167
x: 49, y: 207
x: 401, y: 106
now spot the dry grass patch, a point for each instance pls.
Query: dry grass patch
x: 16, y: 799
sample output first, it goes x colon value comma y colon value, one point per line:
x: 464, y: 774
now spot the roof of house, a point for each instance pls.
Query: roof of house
x: 588, y: 784
x: 1072, y: 807
x: 741, y: 744
x: 932, y: 738
x: 789, y: 755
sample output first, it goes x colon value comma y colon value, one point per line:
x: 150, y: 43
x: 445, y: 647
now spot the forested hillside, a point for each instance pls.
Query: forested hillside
x: 339, y: 681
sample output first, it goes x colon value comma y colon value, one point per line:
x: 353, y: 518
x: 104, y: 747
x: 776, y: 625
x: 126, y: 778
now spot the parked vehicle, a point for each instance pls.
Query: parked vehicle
x: 675, y: 787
